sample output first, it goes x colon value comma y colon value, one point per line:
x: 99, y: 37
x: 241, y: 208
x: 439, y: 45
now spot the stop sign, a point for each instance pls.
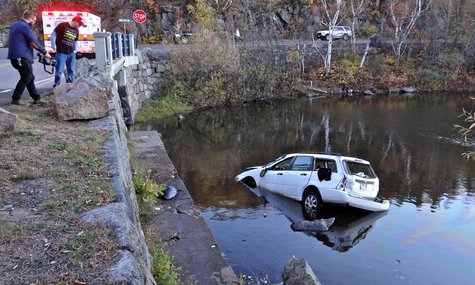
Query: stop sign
x: 139, y: 16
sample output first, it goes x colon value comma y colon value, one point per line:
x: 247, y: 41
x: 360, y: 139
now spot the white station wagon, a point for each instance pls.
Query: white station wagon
x: 314, y: 178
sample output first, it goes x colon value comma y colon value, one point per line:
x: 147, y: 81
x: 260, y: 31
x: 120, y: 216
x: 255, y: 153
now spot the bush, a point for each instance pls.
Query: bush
x: 146, y: 188
x: 161, y: 106
x: 216, y: 72
x: 163, y: 270
x: 366, y: 31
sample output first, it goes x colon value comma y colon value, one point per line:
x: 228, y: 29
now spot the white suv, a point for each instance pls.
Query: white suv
x: 314, y: 178
x: 339, y: 32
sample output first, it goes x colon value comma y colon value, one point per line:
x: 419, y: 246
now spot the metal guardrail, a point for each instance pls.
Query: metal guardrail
x: 114, y: 50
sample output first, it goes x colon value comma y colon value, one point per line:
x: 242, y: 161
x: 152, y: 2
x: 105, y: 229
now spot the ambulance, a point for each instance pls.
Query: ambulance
x: 85, y: 40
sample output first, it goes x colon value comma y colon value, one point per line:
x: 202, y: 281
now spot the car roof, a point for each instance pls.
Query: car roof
x: 323, y: 154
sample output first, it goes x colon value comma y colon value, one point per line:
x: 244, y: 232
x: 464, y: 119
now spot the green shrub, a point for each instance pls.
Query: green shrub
x: 163, y: 105
x: 215, y: 72
x: 163, y: 270
x: 146, y: 188
x: 366, y: 31
x: 431, y: 79
x: 410, y: 70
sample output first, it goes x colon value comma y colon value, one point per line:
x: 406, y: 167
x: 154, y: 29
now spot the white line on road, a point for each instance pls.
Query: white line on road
x: 37, y: 83
x: 44, y: 81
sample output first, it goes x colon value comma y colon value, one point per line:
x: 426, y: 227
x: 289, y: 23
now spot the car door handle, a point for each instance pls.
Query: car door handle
x: 303, y: 174
x: 280, y: 173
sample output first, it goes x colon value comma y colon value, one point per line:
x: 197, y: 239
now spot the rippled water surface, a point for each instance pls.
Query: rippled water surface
x: 426, y: 237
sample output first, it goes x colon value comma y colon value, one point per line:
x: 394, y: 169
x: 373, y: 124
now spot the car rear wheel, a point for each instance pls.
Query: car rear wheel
x: 311, y: 205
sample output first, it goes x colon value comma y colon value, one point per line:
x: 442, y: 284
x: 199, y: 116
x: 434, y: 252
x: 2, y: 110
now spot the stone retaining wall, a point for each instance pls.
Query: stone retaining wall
x: 123, y: 215
x: 145, y: 79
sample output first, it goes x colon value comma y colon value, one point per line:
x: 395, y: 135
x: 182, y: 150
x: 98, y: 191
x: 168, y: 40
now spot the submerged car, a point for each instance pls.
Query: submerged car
x: 314, y: 178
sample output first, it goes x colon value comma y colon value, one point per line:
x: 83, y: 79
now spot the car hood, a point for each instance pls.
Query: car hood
x: 247, y: 171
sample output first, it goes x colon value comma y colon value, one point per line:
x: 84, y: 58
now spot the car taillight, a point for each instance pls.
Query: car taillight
x: 342, y: 184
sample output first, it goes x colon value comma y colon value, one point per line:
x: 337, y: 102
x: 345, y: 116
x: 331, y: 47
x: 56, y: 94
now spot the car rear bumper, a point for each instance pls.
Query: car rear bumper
x: 365, y: 203
x: 374, y: 205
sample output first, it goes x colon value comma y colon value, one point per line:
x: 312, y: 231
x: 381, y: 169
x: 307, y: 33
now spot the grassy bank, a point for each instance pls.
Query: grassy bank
x: 50, y: 173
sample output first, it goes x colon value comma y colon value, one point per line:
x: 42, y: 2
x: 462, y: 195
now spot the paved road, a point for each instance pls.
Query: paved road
x: 9, y: 78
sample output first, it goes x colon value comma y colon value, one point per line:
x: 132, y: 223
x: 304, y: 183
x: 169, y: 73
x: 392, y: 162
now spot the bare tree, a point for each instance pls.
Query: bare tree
x: 357, y: 7
x: 221, y: 5
x: 404, y: 15
x: 331, y: 10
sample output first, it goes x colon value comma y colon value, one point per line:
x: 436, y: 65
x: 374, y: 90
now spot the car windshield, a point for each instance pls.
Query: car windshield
x: 277, y: 159
x: 359, y: 169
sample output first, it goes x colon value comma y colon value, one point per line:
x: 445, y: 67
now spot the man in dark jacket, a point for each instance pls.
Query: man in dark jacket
x: 22, y: 41
x: 64, y: 41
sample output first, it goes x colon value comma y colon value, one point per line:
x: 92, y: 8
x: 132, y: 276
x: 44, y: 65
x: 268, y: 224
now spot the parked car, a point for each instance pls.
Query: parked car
x: 182, y: 37
x: 314, y: 178
x: 338, y: 32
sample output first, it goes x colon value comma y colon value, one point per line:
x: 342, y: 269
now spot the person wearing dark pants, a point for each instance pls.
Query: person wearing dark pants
x: 22, y: 41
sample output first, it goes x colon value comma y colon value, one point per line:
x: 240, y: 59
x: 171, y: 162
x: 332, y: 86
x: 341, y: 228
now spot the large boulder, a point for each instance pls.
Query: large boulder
x: 83, y: 68
x: 299, y: 272
x: 7, y: 121
x: 81, y: 101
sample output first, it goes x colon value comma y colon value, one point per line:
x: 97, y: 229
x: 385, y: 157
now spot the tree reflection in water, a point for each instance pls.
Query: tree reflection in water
x: 410, y: 142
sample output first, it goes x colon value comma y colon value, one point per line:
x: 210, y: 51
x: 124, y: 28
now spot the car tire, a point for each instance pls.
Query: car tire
x: 345, y: 37
x: 311, y: 205
x: 327, y: 38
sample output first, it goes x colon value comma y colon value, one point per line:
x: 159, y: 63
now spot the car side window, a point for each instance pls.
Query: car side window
x: 302, y: 163
x: 325, y: 163
x: 283, y: 165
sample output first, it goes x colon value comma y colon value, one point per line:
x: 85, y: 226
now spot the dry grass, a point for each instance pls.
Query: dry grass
x: 50, y: 173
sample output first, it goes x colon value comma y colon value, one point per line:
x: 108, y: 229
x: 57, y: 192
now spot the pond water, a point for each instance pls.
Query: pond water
x: 426, y: 237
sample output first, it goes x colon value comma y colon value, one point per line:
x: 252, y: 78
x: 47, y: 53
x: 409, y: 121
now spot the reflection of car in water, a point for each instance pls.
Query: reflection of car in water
x: 313, y: 178
x: 349, y: 228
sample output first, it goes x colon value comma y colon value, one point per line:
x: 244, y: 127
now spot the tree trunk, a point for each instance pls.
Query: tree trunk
x: 360, y: 67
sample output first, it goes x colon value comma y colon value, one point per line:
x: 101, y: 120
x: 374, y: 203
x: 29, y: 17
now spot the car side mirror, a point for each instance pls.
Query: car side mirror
x: 263, y: 172
x: 324, y: 174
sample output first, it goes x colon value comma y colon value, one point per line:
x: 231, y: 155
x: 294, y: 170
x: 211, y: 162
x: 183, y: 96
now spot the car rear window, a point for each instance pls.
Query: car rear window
x: 359, y: 169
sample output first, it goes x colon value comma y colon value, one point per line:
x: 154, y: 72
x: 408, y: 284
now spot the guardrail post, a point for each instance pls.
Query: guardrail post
x: 110, y: 59
x: 120, y: 52
x: 125, y: 45
x: 131, y: 44
x: 100, y: 40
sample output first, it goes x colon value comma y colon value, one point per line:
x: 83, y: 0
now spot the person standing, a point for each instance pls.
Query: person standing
x: 64, y: 41
x: 22, y: 41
